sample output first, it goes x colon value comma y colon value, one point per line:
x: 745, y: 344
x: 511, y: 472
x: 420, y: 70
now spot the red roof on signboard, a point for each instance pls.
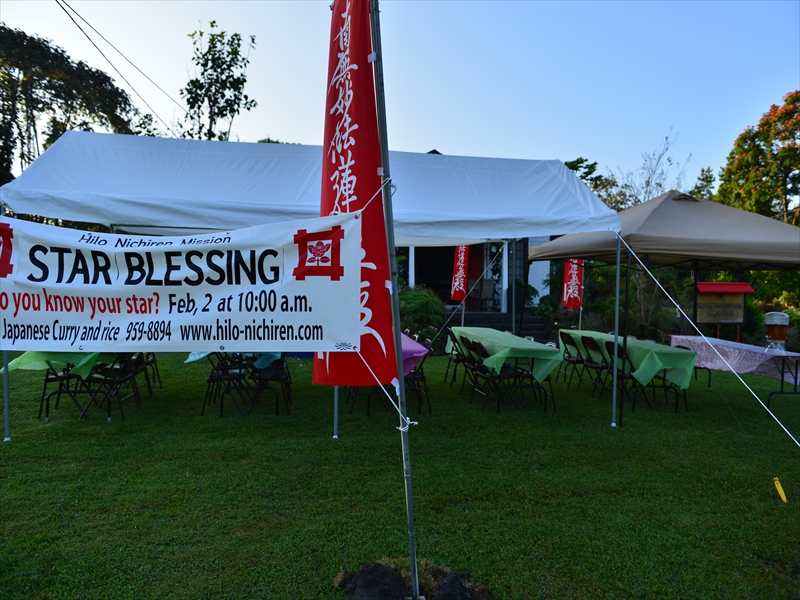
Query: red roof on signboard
x: 719, y: 287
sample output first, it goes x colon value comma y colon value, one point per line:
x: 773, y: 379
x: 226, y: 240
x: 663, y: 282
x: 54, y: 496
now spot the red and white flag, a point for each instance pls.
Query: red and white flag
x: 458, y: 287
x: 573, y: 283
x: 351, y: 181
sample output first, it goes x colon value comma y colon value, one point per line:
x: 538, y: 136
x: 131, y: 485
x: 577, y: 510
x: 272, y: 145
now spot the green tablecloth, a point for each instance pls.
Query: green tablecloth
x: 505, y: 347
x: 648, y: 358
x: 81, y: 362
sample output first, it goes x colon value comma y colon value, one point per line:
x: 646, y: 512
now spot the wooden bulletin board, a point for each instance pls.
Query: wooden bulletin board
x: 721, y: 302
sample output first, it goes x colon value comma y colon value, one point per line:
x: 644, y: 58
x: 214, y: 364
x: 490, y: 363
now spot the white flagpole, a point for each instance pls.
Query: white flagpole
x: 389, y: 217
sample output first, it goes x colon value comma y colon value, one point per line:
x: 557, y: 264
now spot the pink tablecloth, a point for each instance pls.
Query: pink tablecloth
x: 413, y: 352
x: 743, y: 358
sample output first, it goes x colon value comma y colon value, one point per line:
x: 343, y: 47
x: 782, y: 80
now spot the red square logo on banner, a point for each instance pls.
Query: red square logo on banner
x: 319, y: 254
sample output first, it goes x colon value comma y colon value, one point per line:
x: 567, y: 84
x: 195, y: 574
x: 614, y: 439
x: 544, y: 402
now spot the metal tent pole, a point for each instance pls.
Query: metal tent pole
x: 625, y: 323
x: 389, y: 217
x: 616, y: 342
x: 511, y: 267
x: 6, y: 401
x: 336, y: 412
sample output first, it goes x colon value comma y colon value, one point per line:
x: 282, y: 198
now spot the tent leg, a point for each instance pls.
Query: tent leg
x: 6, y: 400
x: 616, y: 341
x: 625, y: 323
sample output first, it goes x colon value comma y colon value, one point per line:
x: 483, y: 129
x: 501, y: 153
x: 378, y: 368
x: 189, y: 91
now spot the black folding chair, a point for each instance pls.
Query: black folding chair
x: 147, y: 364
x: 417, y: 383
x: 352, y: 392
x: 455, y: 357
x: 114, y: 380
x: 595, y: 363
x: 491, y: 382
x: 572, y: 361
x: 230, y: 375
x: 67, y: 383
x: 275, y: 374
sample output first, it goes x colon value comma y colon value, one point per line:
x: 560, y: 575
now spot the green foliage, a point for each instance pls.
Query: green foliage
x: 401, y: 256
x: 40, y: 84
x: 421, y: 312
x: 216, y: 95
x: 653, y: 178
x: 528, y: 292
x: 762, y: 173
x: 545, y: 307
x: 269, y: 140
x: 704, y: 186
x: 793, y: 335
x: 606, y: 187
x: 776, y: 290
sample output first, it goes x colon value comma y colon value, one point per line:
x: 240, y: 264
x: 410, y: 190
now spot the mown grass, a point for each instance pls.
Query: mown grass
x: 171, y: 504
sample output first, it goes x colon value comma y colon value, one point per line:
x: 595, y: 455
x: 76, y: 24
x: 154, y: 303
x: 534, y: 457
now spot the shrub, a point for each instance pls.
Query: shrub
x: 422, y: 312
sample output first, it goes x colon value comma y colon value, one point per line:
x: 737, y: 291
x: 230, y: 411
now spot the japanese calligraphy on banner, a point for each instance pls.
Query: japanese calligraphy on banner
x: 458, y: 287
x: 287, y: 287
x: 573, y: 283
x: 351, y: 180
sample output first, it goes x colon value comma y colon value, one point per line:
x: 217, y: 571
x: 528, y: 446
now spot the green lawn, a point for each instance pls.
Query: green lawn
x: 171, y: 504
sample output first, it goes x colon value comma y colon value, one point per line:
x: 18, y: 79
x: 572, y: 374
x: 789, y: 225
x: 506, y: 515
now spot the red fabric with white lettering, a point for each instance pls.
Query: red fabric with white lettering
x: 350, y: 180
x: 458, y: 286
x: 573, y: 283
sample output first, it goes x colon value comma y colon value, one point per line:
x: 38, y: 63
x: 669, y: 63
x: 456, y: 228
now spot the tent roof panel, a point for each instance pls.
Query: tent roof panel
x: 141, y: 183
x: 677, y: 229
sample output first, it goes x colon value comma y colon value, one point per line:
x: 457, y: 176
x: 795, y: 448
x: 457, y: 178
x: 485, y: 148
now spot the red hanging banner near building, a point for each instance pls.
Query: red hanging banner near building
x: 351, y: 181
x: 458, y: 288
x: 573, y: 283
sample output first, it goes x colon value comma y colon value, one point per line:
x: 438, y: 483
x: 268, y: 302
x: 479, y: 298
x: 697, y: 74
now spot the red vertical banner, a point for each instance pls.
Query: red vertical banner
x: 458, y: 287
x: 351, y: 181
x: 573, y: 283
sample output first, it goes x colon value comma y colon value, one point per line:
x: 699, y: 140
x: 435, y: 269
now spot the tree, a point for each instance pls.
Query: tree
x: 629, y: 188
x: 653, y: 178
x: 43, y: 93
x: 269, y: 140
x: 703, y: 187
x: 762, y: 173
x: 217, y: 94
x: 605, y: 186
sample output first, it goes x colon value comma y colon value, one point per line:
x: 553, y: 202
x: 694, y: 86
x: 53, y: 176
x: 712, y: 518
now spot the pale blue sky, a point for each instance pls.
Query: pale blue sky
x: 603, y: 80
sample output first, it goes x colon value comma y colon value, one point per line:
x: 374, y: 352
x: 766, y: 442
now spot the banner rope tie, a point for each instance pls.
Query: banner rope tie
x: 404, y: 418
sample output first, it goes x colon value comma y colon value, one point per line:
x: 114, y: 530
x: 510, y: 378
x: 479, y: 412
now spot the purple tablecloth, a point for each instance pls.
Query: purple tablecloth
x: 743, y: 358
x: 413, y: 352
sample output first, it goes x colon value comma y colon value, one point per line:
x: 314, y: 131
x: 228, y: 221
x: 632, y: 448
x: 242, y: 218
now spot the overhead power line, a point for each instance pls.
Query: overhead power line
x: 64, y: 6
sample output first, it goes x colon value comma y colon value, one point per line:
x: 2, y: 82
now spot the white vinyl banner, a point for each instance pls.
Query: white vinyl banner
x: 292, y: 286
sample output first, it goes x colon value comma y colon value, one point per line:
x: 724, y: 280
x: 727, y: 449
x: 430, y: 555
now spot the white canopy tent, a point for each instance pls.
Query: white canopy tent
x: 173, y: 186
x: 137, y: 183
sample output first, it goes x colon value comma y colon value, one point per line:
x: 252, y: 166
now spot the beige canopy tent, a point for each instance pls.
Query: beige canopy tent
x: 679, y: 230
x: 682, y: 231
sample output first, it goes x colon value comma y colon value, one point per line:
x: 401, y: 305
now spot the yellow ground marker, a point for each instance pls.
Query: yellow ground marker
x: 780, y: 489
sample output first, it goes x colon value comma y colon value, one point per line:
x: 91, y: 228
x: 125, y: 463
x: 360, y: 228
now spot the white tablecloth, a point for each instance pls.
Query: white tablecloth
x: 742, y: 358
